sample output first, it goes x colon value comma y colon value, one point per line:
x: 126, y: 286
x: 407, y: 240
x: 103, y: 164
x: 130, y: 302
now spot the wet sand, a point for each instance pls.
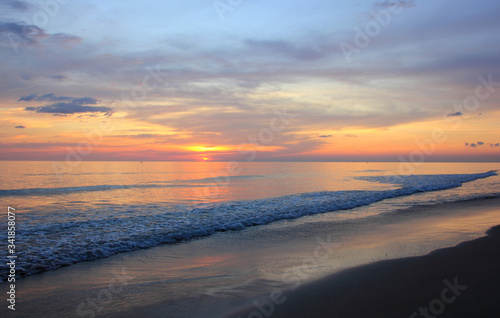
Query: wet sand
x: 461, y: 281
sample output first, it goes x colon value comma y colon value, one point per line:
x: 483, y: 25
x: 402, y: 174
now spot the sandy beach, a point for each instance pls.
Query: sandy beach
x: 214, y: 276
x: 461, y: 281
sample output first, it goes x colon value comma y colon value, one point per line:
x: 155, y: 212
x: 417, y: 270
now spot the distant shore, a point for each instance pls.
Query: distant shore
x: 461, y: 281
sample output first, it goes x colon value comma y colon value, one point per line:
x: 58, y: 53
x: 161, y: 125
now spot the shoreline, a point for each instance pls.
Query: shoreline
x: 217, y: 275
x: 459, y: 281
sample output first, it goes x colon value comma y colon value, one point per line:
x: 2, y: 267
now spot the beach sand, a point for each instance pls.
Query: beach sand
x: 220, y: 274
x: 461, y: 281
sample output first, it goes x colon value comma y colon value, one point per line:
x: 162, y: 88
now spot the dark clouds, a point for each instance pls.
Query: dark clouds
x: 58, y: 77
x: 68, y: 109
x: 85, y: 100
x: 50, y: 97
x: 480, y: 144
x: 455, y: 114
x: 65, y: 105
x: 21, y: 127
x: 17, y: 5
x: 16, y: 32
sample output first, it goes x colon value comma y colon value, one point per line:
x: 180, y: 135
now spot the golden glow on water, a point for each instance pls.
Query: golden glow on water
x: 205, y: 181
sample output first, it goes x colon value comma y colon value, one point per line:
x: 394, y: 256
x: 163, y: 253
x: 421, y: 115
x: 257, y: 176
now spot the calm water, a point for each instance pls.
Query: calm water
x: 100, y: 209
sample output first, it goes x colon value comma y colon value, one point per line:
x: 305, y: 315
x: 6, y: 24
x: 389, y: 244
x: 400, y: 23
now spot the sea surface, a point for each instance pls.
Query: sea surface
x: 99, y: 209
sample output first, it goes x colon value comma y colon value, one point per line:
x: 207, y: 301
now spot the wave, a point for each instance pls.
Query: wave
x: 54, y: 243
x: 67, y: 190
x: 154, y: 184
x: 359, y: 171
x: 222, y: 179
x: 95, y: 173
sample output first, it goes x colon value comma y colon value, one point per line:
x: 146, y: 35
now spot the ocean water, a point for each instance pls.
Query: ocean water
x: 99, y: 209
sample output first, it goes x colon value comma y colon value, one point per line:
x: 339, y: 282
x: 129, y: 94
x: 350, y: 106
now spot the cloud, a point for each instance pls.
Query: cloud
x: 17, y: 33
x: 50, y: 97
x: 64, y: 38
x: 65, y: 105
x: 455, y: 114
x: 27, y: 33
x: 59, y: 77
x: 480, y: 143
x: 325, y: 136
x: 85, y: 100
x: 28, y: 98
x: 351, y: 136
x: 21, y: 126
x: 69, y: 109
x: 17, y: 5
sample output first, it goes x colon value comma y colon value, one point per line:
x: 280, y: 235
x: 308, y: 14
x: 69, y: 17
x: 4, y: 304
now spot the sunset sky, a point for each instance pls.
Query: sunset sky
x: 250, y: 80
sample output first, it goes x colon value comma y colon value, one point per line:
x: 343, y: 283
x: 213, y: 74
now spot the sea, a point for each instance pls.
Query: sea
x: 98, y: 209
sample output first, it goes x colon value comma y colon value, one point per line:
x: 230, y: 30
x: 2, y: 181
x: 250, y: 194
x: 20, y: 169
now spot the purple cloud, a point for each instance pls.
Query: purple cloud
x: 480, y: 143
x: 69, y: 109
x: 65, y: 105
x: 18, y: 5
x: 58, y: 77
x: 28, y: 33
x: 50, y: 97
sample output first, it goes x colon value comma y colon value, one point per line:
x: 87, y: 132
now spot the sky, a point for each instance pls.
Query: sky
x: 223, y: 80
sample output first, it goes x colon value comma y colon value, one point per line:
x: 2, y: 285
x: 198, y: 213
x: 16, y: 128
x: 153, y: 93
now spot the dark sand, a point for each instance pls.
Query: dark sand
x: 401, y: 287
